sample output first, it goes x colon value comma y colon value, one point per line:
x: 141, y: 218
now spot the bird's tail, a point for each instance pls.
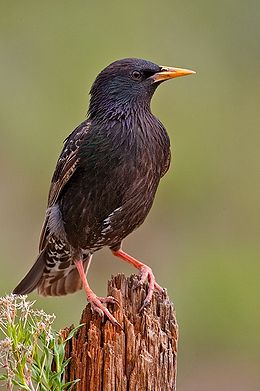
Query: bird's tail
x: 32, y: 278
x: 54, y: 272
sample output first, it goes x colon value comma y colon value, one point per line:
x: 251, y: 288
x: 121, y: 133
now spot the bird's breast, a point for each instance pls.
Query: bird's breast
x: 113, y: 188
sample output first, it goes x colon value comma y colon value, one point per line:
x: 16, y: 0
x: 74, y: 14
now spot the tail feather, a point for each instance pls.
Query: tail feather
x: 60, y: 282
x: 54, y: 272
x: 32, y: 278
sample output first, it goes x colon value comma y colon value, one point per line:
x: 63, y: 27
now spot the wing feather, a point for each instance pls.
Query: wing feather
x: 65, y: 168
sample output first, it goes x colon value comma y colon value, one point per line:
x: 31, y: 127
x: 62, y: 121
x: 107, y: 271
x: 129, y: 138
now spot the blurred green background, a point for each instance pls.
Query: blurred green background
x: 201, y: 237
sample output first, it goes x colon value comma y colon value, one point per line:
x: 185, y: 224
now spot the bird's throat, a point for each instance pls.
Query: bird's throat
x: 127, y: 113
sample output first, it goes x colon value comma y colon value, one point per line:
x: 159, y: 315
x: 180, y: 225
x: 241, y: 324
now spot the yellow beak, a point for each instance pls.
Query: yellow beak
x: 169, y: 73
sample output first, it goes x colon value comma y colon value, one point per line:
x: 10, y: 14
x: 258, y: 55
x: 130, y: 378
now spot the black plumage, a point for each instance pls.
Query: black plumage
x: 105, y: 181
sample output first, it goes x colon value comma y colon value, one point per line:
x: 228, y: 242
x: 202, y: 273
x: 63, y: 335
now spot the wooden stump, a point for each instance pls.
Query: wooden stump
x: 140, y: 357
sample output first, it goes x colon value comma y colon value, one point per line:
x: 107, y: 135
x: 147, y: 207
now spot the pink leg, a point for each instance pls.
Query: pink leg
x: 146, y: 274
x: 96, y: 302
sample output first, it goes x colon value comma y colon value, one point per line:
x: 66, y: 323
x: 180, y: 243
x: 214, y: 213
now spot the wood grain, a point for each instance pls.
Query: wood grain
x: 142, y: 356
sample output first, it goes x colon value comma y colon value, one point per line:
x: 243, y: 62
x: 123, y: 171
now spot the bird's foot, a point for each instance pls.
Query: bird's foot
x: 109, y: 299
x: 147, y: 275
x: 97, y: 304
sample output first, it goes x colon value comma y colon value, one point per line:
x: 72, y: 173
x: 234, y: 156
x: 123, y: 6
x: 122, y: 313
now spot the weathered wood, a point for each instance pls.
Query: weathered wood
x: 140, y: 357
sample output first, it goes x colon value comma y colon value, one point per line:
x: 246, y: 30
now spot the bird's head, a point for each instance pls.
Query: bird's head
x: 129, y: 82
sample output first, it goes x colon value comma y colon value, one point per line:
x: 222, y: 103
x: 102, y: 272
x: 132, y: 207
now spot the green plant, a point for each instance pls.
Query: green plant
x: 32, y: 354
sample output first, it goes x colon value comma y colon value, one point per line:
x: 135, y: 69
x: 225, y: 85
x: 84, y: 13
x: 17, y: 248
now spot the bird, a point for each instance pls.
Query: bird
x: 104, y: 183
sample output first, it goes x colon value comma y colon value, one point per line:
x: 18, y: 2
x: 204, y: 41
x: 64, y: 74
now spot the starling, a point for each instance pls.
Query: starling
x: 104, y: 183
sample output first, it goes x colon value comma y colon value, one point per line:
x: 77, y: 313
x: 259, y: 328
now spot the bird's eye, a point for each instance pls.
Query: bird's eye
x: 136, y: 75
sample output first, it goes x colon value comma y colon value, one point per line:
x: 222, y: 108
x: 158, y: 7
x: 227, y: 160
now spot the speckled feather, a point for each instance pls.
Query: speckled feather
x: 104, y: 183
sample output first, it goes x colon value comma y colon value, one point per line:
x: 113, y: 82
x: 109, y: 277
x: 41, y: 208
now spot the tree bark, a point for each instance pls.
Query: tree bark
x: 142, y: 356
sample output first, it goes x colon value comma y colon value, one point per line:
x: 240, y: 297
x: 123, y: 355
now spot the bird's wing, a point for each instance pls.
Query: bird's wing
x: 64, y: 170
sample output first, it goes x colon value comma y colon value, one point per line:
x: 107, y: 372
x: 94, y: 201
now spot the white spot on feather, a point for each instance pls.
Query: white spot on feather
x: 107, y: 222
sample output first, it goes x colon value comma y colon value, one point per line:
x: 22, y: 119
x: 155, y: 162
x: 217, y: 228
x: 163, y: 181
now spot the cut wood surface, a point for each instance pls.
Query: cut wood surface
x: 142, y: 356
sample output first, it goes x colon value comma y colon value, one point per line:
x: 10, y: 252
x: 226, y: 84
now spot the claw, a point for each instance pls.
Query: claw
x: 147, y: 274
x: 97, y: 305
x: 158, y: 287
x: 98, y: 310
